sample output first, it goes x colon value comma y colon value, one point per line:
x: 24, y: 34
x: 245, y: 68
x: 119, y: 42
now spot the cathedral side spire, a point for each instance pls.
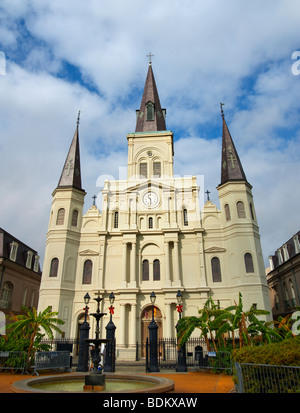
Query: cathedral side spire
x: 231, y: 168
x: 71, y: 174
x: 150, y: 117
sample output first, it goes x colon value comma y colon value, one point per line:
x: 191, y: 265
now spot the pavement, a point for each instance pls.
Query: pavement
x: 190, y: 382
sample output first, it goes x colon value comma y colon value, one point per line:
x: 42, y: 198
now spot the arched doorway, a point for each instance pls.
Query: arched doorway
x: 146, y: 319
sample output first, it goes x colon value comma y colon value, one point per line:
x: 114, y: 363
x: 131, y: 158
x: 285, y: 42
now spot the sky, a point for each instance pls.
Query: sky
x: 59, y: 57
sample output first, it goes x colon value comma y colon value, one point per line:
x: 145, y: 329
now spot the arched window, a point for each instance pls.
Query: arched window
x: 150, y: 223
x: 156, y: 270
x: 145, y: 275
x: 143, y: 170
x: 240, y: 209
x: 157, y: 169
x: 185, y: 218
x: 248, y: 262
x: 6, y: 295
x: 74, y: 218
x: 60, y: 217
x: 150, y: 110
x: 216, y: 270
x: 53, y: 268
x: 116, y: 219
x: 293, y: 295
x: 227, y: 212
x: 87, y: 272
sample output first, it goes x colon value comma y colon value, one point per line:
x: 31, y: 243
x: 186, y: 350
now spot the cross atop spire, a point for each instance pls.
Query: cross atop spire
x: 150, y: 55
x: 222, y: 113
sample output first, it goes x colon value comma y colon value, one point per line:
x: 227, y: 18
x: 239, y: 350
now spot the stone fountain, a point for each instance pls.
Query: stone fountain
x: 95, y: 380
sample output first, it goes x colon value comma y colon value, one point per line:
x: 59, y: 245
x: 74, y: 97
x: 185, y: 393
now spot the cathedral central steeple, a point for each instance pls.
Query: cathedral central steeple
x: 150, y: 117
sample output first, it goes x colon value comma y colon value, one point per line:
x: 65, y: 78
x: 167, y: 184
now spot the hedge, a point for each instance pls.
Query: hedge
x: 283, y: 353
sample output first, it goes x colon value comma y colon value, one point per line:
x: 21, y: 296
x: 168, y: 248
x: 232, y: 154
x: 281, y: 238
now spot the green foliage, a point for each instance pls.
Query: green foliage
x: 283, y: 353
x: 27, y: 330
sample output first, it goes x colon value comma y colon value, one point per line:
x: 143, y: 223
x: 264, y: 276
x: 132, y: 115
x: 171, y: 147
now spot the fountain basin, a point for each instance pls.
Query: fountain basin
x: 115, y: 383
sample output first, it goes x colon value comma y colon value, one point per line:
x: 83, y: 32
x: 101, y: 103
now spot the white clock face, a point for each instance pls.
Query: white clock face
x: 150, y: 199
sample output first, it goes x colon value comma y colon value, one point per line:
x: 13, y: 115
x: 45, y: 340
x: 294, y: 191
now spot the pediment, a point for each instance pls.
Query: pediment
x: 215, y: 250
x: 88, y: 252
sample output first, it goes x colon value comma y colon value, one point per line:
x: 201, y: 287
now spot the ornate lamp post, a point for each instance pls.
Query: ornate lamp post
x: 153, y: 327
x: 109, y: 361
x: 96, y: 380
x: 181, y: 361
x: 84, y: 335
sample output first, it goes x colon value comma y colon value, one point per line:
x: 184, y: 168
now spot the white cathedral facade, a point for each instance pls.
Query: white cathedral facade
x: 151, y: 235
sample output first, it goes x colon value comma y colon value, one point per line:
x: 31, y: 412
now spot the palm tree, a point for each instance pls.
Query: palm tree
x: 29, y: 325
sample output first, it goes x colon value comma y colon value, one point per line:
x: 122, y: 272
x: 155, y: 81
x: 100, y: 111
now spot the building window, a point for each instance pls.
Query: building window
x: 6, y: 295
x: 248, y: 262
x: 185, y: 218
x: 29, y: 259
x: 143, y: 170
x: 87, y: 272
x: 145, y: 275
x: 116, y: 219
x: 60, y: 217
x: 156, y: 270
x: 24, y: 297
x: 227, y: 212
x: 74, y: 218
x: 240, y: 209
x: 36, y: 263
x: 32, y: 299
x: 150, y: 223
x: 13, y: 251
x: 54, y: 268
x: 157, y: 169
x: 216, y: 270
x: 150, y: 111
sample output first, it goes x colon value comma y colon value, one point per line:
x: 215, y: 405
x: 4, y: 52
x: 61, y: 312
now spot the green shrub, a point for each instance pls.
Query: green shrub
x: 275, y: 379
x: 283, y: 353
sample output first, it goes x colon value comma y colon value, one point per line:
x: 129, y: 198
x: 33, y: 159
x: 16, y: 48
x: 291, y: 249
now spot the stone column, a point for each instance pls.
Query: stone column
x: 167, y: 263
x: 169, y: 326
x: 133, y: 325
x: 122, y: 324
x: 176, y: 264
x: 133, y: 265
x: 124, y: 265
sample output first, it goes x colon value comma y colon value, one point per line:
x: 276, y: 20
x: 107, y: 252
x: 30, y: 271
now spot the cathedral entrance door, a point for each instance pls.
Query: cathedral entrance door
x: 146, y: 320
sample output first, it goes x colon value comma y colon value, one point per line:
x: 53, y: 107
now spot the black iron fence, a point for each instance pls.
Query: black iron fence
x: 196, y: 355
x: 262, y: 378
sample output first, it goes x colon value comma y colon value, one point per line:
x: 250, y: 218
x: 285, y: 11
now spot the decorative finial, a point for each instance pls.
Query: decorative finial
x: 78, y: 118
x: 222, y: 113
x: 150, y: 55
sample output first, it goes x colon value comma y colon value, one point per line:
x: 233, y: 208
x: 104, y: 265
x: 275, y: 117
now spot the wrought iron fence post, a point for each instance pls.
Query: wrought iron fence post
x: 110, y: 347
x: 83, y: 357
x: 153, y: 367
